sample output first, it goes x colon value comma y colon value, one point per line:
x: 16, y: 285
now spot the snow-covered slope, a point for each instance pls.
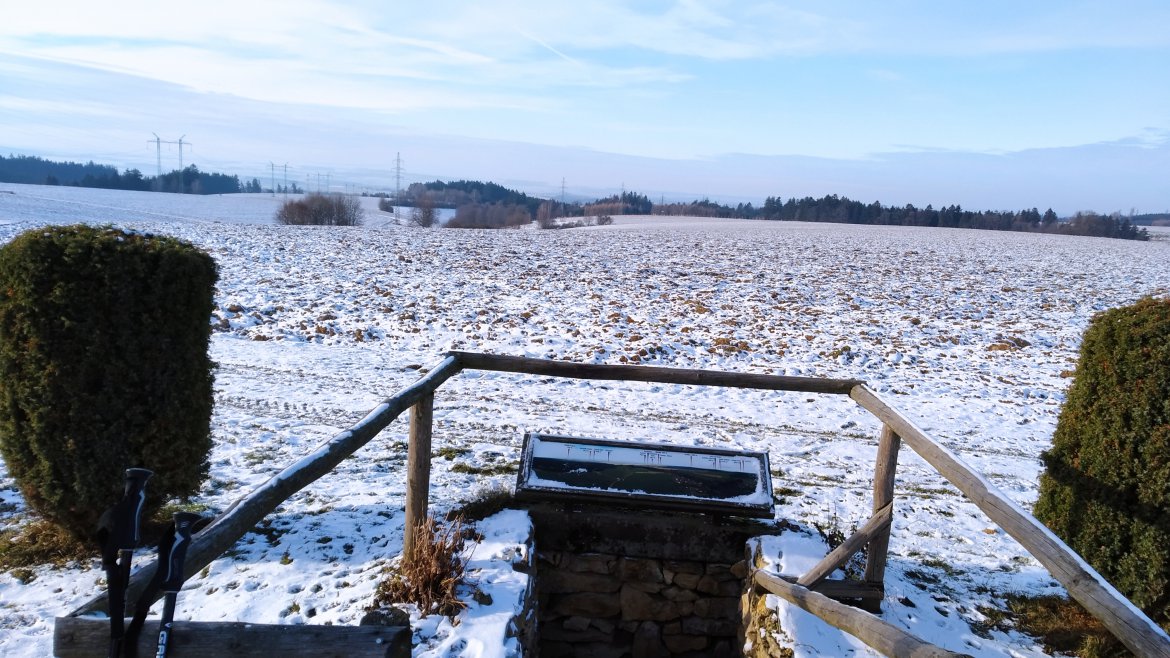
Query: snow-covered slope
x: 970, y: 333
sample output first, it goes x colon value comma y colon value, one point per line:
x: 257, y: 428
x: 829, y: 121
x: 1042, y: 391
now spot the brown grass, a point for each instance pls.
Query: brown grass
x: 38, y: 543
x: 1061, y: 624
x: 431, y: 576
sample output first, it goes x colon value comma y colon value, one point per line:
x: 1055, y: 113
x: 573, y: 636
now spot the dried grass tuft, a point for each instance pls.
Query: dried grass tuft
x: 431, y: 575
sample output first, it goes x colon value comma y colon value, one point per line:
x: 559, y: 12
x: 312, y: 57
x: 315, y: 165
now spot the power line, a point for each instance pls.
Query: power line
x: 397, y: 177
x: 397, y: 183
x: 158, y: 142
x: 180, y: 142
x: 158, y: 152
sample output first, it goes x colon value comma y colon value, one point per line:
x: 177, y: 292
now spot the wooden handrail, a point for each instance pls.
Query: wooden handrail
x: 1137, y: 631
x: 1130, y: 625
x: 874, y: 631
x: 246, y: 512
x: 655, y: 374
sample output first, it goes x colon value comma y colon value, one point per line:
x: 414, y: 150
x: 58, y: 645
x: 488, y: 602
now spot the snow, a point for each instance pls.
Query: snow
x: 970, y: 334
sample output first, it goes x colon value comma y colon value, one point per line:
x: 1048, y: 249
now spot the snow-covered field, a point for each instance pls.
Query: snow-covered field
x: 972, y: 334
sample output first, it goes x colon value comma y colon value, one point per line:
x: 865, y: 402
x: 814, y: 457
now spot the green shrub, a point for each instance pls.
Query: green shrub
x: 103, y: 366
x: 1106, y: 489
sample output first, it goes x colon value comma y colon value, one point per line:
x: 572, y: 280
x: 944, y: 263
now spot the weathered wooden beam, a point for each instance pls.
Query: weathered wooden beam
x: 1089, y: 588
x: 418, y: 470
x: 89, y: 637
x: 839, y: 589
x: 875, y: 632
x: 550, y: 368
x: 243, y: 515
x: 840, y: 555
x: 883, y: 494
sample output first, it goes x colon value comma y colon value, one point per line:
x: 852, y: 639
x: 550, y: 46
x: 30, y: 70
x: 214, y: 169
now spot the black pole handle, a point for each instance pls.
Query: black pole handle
x: 128, y: 513
x: 119, y: 537
x: 172, y: 580
x: 184, y: 525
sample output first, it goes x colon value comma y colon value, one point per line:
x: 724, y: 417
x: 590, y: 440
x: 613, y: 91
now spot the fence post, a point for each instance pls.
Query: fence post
x: 883, y: 494
x: 418, y: 470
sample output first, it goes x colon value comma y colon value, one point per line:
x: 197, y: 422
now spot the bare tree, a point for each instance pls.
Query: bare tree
x: 424, y: 213
x: 322, y: 210
x: 546, y: 215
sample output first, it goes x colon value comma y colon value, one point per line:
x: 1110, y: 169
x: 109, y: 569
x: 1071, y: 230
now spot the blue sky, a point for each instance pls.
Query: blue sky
x: 989, y: 104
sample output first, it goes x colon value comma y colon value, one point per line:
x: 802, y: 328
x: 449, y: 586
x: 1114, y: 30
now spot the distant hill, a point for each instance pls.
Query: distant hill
x: 1151, y: 219
x: 456, y: 193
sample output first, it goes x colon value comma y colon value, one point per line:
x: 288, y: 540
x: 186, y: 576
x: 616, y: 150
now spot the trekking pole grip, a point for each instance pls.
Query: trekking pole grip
x: 135, y: 499
x: 184, y: 525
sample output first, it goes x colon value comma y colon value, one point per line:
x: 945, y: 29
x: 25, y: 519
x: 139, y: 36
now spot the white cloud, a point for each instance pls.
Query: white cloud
x: 307, y: 51
x: 450, y: 54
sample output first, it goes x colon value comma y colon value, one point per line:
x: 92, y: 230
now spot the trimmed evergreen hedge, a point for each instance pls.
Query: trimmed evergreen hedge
x: 103, y: 367
x: 1106, y: 489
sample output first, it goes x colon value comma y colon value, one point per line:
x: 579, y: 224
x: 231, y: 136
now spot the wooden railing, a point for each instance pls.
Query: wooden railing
x: 1134, y: 629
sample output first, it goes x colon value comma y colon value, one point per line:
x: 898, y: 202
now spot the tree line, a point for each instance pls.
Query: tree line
x: 846, y: 211
x: 32, y: 170
x: 488, y: 205
x: 842, y: 210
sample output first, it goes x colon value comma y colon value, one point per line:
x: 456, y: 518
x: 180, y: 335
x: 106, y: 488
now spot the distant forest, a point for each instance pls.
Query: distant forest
x: 489, y: 205
x: 38, y: 171
x: 460, y: 193
x: 845, y: 211
x: 842, y: 210
x: 1152, y: 219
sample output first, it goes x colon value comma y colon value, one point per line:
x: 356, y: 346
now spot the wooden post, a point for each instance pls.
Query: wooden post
x: 418, y: 470
x: 883, y: 494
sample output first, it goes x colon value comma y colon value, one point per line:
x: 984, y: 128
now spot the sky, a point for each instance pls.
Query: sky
x: 991, y: 105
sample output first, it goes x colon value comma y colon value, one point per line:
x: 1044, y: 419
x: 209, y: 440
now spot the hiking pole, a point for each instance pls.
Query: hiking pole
x: 119, y: 535
x: 172, y: 582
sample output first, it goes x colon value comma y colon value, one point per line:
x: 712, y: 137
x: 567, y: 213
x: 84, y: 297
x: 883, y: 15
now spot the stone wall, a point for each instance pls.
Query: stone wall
x: 762, y: 635
x: 615, y: 584
x: 599, y: 604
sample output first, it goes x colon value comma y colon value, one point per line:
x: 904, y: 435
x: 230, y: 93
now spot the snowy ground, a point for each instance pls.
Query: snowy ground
x: 972, y: 334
